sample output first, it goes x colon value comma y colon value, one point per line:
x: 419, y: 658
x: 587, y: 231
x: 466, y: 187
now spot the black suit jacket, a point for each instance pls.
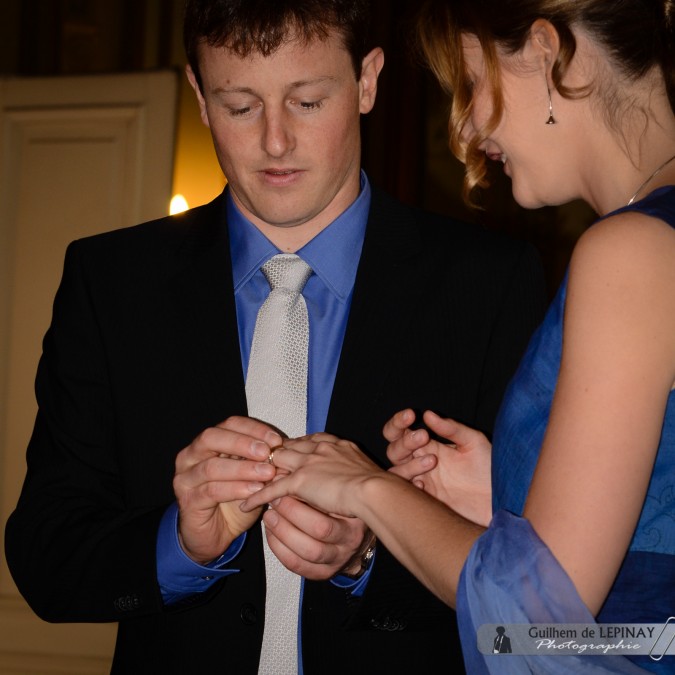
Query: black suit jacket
x: 142, y: 355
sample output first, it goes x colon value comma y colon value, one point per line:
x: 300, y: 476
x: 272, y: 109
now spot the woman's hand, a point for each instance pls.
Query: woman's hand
x: 461, y: 476
x: 324, y: 471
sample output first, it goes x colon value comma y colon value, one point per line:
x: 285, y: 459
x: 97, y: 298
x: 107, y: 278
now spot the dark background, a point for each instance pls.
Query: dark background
x: 405, y: 137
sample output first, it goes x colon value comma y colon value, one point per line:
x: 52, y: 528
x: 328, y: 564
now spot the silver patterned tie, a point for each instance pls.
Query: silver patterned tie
x: 276, y: 393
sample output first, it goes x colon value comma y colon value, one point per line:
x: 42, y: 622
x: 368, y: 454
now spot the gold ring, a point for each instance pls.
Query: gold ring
x: 270, y: 459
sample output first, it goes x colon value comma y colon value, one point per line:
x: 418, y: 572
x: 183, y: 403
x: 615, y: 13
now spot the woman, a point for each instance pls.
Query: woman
x: 573, y: 97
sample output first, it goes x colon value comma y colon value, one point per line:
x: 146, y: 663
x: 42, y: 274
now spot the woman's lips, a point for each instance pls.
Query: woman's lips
x: 497, y: 157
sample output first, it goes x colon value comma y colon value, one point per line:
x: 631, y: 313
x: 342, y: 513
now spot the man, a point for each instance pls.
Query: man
x: 502, y: 643
x: 142, y: 448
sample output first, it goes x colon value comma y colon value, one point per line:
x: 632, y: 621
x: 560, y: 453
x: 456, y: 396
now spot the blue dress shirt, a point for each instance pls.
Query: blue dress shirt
x: 333, y: 255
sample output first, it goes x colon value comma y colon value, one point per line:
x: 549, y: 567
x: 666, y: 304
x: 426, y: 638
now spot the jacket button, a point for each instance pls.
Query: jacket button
x: 388, y: 623
x: 248, y: 614
x: 127, y: 603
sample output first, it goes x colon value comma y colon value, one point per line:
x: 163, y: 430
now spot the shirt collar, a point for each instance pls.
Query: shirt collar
x: 333, y: 254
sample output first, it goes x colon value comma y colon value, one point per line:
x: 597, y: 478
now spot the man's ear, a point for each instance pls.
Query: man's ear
x: 543, y: 46
x: 200, y: 98
x: 370, y: 70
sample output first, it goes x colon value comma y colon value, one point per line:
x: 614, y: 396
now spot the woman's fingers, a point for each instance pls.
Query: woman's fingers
x: 415, y: 467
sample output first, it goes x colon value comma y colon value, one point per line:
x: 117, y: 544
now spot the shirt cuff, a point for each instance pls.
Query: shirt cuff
x: 356, y: 587
x: 178, y: 575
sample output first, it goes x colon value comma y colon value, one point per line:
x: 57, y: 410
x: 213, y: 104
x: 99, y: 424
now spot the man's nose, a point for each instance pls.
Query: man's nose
x: 278, y: 133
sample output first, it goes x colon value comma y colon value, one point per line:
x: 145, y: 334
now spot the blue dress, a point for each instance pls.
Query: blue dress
x: 644, y: 591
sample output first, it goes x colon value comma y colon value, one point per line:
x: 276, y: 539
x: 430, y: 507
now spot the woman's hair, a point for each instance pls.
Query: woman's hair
x: 636, y: 34
x: 262, y: 26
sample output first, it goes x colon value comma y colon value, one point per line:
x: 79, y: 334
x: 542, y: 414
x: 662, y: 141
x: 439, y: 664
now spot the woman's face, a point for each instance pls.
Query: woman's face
x: 528, y: 148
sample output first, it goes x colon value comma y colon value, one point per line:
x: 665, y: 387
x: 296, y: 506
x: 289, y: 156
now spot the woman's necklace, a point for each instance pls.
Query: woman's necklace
x: 639, y: 190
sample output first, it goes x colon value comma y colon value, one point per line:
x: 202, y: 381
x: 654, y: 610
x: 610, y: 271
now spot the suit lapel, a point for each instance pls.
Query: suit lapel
x: 205, y: 309
x: 392, y: 273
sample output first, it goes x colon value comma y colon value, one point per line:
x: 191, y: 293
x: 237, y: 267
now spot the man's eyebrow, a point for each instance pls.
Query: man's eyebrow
x: 233, y: 90
x: 315, y: 80
x: 293, y: 85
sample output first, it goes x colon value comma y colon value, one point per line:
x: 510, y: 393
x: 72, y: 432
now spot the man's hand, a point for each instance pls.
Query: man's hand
x: 223, y: 466
x: 308, y: 542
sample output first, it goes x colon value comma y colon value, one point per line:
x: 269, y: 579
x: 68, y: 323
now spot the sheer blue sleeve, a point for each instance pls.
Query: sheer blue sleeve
x: 511, y: 577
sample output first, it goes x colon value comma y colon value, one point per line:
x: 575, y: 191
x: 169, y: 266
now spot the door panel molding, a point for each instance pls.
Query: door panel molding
x: 78, y: 155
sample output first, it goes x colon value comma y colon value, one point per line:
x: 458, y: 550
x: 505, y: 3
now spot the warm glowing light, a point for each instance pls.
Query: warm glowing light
x: 178, y: 205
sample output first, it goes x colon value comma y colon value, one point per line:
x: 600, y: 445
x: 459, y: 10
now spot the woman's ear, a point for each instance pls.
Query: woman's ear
x: 543, y: 45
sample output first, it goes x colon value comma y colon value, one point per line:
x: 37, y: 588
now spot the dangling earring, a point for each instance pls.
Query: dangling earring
x: 551, y: 119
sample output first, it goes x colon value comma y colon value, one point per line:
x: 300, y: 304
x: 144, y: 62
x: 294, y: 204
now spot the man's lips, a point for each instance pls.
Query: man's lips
x: 280, y: 177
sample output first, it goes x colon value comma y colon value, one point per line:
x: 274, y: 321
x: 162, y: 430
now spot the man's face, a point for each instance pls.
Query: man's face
x: 286, y: 129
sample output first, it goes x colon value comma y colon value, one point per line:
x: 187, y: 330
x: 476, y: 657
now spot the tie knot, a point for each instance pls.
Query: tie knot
x: 287, y: 270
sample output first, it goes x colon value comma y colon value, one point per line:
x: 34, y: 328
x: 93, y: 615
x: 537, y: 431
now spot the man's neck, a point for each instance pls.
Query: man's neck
x: 291, y: 239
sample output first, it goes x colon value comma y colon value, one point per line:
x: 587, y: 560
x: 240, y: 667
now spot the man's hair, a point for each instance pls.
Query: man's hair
x: 262, y: 26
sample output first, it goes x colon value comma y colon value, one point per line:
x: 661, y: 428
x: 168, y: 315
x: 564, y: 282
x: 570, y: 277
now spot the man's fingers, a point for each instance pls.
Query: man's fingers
x: 225, y: 442
x: 311, y: 542
x: 248, y: 426
x: 319, y: 526
x: 221, y: 470
x: 296, y: 539
x: 295, y: 562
